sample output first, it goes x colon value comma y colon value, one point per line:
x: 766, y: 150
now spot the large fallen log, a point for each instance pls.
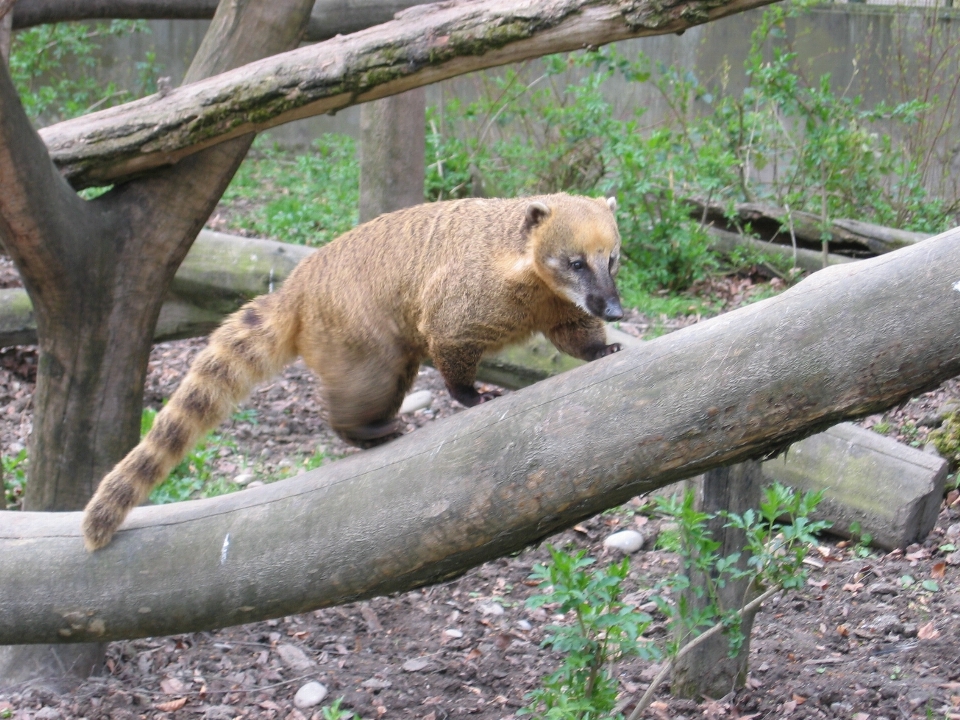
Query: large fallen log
x: 422, y: 46
x: 849, y: 340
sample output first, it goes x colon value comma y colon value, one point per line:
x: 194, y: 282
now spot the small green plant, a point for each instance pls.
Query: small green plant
x: 194, y: 476
x: 946, y: 438
x: 318, y: 458
x: 333, y: 711
x: 861, y: 540
x: 14, y: 479
x: 307, y: 199
x: 603, y: 629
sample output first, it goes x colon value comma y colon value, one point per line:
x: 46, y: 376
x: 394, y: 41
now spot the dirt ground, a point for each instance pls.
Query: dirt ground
x: 859, y: 641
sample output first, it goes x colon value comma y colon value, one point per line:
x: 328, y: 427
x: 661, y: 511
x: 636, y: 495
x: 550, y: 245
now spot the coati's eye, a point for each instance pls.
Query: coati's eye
x: 577, y: 265
x: 613, y: 261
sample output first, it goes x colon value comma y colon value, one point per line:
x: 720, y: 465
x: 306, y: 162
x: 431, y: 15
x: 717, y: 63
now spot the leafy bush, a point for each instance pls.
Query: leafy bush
x: 54, y: 69
x: 601, y: 629
x: 307, y: 199
x: 783, y: 140
x: 604, y: 630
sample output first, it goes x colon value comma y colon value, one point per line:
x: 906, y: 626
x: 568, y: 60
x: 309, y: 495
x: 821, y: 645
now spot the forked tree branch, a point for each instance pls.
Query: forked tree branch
x: 423, y: 45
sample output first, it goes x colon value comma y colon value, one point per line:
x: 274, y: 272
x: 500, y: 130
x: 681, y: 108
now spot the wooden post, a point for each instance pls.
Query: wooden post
x: 392, y: 145
x: 710, y: 671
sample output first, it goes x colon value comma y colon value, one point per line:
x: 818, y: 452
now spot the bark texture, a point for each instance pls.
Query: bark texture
x: 422, y: 46
x: 849, y: 340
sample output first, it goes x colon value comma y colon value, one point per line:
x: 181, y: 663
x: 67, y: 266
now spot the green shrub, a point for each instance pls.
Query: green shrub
x: 307, y: 199
x: 54, y: 69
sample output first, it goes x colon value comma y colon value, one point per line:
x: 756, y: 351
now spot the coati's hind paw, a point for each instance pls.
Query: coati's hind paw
x: 606, y: 350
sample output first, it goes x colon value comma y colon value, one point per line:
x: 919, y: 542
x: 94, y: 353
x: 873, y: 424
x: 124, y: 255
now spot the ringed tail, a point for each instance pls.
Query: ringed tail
x: 252, y: 345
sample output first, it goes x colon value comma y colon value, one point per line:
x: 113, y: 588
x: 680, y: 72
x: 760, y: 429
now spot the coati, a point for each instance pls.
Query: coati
x: 447, y: 280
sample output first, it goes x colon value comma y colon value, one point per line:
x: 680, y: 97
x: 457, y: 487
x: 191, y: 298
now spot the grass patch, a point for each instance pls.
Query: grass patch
x: 307, y: 199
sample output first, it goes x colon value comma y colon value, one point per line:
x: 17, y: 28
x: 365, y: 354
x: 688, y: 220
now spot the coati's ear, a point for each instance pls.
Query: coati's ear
x: 537, y: 212
x: 612, y: 204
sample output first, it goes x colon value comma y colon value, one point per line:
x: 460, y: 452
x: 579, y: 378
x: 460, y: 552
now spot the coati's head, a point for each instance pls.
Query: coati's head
x: 576, y: 250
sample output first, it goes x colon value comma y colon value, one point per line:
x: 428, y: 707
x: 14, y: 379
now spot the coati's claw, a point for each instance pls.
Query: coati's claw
x: 607, y: 350
x: 489, y: 395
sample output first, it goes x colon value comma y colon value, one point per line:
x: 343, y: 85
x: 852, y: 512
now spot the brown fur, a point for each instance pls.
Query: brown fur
x: 451, y: 281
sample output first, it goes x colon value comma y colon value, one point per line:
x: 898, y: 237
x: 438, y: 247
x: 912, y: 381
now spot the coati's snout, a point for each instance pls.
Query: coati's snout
x: 605, y: 307
x: 579, y: 260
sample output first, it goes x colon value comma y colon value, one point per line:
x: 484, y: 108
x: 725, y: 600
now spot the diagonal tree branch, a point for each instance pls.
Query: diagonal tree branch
x: 423, y: 45
x: 41, y: 217
x: 847, y: 341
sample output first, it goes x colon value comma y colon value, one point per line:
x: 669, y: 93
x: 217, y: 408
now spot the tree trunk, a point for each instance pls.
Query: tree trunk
x: 709, y: 670
x: 392, y: 146
x: 422, y: 46
x: 97, y: 273
x: 849, y: 340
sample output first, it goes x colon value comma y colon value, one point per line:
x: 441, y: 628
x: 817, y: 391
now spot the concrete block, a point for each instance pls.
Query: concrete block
x: 892, y: 490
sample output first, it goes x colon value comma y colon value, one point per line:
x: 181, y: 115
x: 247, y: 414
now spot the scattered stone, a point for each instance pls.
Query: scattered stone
x: 47, y: 713
x: 953, y: 558
x: 492, y: 608
x: 420, y: 400
x: 220, y: 712
x: 243, y: 479
x: 953, y: 531
x: 254, y: 484
x: 453, y: 633
x: 930, y: 420
x: 524, y: 625
x: 294, y: 657
x: 415, y: 664
x: 376, y: 684
x: 883, y: 588
x: 884, y: 624
x: 310, y: 695
x: 626, y: 541
x: 948, y: 408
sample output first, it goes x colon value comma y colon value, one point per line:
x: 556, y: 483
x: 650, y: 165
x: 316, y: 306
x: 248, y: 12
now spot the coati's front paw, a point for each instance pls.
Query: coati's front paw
x: 368, y: 436
x: 468, y: 396
x: 606, y: 350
